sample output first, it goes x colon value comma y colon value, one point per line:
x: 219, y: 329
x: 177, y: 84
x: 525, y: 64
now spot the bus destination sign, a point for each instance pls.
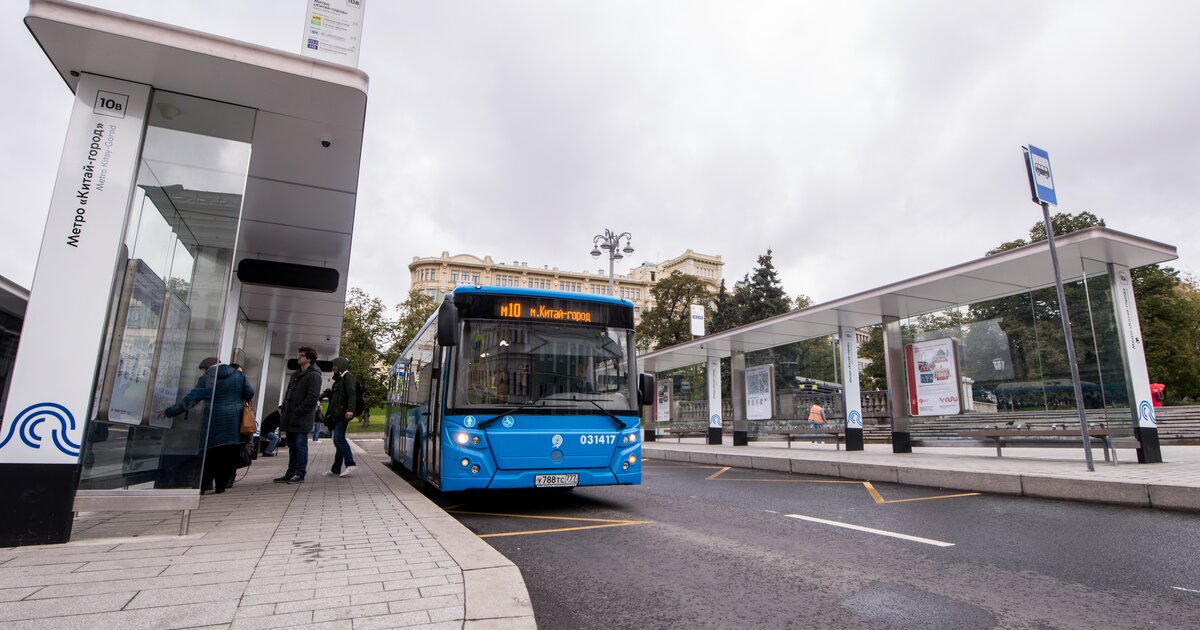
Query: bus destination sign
x: 538, y: 309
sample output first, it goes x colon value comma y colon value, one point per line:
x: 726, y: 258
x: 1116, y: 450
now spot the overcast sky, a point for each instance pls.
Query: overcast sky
x: 864, y: 142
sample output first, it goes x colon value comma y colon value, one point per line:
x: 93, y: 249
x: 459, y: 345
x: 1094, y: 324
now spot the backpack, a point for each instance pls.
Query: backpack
x: 360, y: 405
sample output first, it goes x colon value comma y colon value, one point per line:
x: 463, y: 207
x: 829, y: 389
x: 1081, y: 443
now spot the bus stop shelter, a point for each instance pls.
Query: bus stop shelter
x: 1097, y: 259
x: 204, y: 207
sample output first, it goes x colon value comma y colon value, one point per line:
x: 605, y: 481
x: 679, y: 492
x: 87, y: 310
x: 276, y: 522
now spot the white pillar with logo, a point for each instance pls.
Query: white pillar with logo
x: 63, y: 336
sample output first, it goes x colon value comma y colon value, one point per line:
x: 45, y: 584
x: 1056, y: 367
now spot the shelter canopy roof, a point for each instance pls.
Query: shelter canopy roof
x: 1007, y: 273
x: 299, y: 201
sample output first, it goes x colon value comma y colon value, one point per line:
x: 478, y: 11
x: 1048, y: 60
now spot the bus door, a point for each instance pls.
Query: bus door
x: 433, y: 424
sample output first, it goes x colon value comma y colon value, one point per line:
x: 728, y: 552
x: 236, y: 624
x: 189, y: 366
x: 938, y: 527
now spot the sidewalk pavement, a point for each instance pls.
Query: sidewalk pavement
x: 1053, y: 473
x: 364, y: 551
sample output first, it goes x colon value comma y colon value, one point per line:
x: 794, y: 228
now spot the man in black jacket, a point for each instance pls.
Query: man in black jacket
x: 299, y: 413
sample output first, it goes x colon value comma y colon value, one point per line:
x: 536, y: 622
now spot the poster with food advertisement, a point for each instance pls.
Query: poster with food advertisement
x: 932, y: 368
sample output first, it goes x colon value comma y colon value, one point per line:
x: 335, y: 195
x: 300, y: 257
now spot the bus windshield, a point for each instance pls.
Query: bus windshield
x: 505, y: 363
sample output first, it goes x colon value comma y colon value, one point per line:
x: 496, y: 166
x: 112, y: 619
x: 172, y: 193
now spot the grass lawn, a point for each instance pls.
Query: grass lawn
x: 378, y: 417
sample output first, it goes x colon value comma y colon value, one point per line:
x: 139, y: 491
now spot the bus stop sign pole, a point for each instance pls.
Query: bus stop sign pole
x: 1041, y: 185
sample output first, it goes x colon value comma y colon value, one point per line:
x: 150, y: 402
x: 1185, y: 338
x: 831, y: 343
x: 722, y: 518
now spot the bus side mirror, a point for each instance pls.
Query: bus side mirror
x: 645, y: 390
x: 447, y: 333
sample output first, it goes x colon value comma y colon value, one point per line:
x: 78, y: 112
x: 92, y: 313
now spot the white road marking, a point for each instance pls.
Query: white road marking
x: 770, y: 511
x: 1187, y: 590
x: 927, y: 541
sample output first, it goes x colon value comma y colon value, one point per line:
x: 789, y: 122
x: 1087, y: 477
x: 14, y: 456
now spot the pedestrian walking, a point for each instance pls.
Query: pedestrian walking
x: 816, y: 416
x: 341, y: 412
x: 224, y: 420
x: 299, y: 413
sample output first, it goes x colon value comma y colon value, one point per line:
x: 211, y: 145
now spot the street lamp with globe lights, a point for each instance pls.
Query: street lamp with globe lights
x: 611, y: 243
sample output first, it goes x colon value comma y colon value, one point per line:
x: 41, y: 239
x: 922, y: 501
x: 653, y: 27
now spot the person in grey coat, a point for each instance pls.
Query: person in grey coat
x: 224, y: 419
x: 299, y: 413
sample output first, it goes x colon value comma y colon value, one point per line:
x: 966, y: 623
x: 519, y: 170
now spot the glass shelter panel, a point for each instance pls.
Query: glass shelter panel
x: 167, y: 311
x: 1013, y: 358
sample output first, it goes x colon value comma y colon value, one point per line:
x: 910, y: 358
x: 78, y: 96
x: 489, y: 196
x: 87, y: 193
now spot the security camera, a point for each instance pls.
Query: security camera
x: 326, y: 140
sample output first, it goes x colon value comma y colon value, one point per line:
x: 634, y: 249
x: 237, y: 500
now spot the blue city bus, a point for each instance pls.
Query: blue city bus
x: 519, y: 388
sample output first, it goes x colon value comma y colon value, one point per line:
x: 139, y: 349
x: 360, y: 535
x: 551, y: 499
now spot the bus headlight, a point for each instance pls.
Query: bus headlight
x: 632, y: 460
x: 460, y: 438
x: 474, y: 440
x: 465, y: 462
x: 475, y: 469
x: 629, y: 438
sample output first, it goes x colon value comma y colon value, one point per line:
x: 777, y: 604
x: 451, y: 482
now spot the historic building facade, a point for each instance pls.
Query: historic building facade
x: 438, y: 275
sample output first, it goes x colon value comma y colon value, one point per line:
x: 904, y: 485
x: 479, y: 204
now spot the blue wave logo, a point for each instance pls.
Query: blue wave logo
x: 1146, y: 413
x: 28, y: 426
x: 855, y: 419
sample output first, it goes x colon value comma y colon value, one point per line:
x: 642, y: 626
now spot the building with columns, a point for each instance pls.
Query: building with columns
x: 438, y: 275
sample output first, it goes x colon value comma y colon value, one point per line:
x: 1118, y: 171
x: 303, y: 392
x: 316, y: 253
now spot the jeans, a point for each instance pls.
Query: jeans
x: 297, y: 444
x: 343, y: 447
x: 272, y: 443
x: 316, y: 431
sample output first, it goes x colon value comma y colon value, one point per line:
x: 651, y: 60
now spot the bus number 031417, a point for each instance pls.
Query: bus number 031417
x: 597, y: 439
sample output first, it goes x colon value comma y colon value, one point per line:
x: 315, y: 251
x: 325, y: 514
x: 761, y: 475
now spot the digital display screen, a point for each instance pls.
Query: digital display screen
x: 524, y: 309
x: 545, y: 309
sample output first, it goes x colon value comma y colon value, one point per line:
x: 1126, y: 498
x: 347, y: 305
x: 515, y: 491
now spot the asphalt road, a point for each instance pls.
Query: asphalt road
x: 708, y: 547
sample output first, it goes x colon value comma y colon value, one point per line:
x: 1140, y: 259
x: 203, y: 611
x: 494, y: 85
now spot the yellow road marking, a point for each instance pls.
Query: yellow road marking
x: 563, y: 529
x: 549, y: 518
x: 713, y: 477
x: 880, y: 500
x: 603, y: 523
x: 716, y: 474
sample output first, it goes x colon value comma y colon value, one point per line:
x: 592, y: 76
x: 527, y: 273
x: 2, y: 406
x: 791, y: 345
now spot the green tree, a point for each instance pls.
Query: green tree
x: 365, y: 330
x: 759, y: 294
x: 874, y: 375
x: 724, y: 314
x: 1169, y: 313
x: 669, y: 322
x: 1063, y: 223
x: 412, y: 314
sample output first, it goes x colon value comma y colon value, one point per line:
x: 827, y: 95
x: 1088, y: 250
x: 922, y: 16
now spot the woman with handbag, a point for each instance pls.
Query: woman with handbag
x: 225, y: 418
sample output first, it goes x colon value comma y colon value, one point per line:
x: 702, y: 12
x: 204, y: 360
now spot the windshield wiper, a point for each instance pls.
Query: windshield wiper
x: 618, y: 421
x: 528, y: 405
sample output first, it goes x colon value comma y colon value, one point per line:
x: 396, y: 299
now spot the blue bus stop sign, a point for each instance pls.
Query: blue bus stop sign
x: 1041, y: 176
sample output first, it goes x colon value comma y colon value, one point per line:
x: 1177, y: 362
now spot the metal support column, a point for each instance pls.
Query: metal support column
x: 897, y: 385
x: 737, y: 393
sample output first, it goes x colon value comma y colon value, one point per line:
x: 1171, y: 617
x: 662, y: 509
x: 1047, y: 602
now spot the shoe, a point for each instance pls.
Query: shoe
x: 330, y: 473
x: 296, y: 479
x: 282, y: 479
x: 349, y: 471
